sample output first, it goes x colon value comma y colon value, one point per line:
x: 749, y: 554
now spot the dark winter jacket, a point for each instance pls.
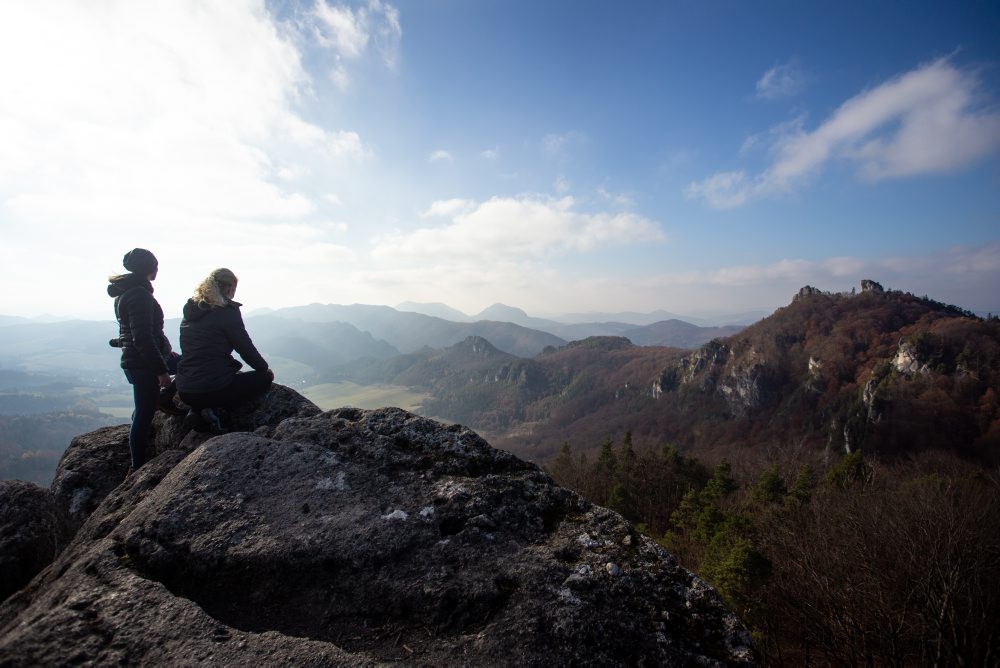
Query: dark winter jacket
x: 140, y: 324
x: 209, y: 335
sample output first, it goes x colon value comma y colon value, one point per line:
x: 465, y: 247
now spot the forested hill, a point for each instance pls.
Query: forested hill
x: 879, y: 369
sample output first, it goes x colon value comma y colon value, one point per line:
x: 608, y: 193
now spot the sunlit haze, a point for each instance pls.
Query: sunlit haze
x: 559, y: 156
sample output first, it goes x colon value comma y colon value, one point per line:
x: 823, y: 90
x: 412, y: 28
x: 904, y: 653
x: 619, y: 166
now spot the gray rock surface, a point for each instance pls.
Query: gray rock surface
x: 92, y: 466
x: 96, y: 463
x: 260, y: 416
x: 32, y: 531
x: 361, y: 537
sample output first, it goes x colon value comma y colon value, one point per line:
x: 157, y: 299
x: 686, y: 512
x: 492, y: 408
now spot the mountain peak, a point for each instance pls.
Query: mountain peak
x: 502, y: 312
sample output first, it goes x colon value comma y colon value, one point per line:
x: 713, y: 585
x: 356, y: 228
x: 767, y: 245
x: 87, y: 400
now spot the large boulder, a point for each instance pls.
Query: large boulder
x: 362, y: 537
x: 261, y: 415
x: 96, y: 463
x: 32, y: 532
x: 92, y: 466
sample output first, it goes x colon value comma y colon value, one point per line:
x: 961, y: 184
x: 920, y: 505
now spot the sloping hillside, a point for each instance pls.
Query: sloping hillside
x: 409, y: 332
x: 881, y: 370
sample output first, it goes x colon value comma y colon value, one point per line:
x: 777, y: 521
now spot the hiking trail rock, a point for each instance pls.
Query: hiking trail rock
x: 358, y: 537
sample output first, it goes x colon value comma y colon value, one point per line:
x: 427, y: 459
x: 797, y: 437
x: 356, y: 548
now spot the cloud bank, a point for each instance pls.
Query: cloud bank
x: 513, y: 229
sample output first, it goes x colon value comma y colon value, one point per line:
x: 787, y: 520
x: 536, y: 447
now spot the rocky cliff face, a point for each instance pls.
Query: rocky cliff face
x: 346, y: 537
x: 740, y: 377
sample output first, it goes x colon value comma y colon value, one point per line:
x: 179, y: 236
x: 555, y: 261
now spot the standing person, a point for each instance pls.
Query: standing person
x: 146, y: 355
x: 208, y: 376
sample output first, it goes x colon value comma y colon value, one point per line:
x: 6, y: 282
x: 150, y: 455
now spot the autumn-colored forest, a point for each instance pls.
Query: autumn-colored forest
x: 832, y: 471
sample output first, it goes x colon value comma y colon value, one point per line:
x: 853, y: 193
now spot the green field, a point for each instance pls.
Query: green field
x: 336, y: 395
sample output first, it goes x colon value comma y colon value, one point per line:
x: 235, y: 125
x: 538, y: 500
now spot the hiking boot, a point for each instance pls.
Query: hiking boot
x: 194, y: 421
x: 210, y: 418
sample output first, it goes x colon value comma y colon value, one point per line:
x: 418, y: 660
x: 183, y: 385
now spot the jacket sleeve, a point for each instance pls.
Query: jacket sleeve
x: 240, y: 340
x: 141, y: 323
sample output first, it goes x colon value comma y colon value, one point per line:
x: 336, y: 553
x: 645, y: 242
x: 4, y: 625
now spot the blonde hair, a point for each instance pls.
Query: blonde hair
x: 211, y: 291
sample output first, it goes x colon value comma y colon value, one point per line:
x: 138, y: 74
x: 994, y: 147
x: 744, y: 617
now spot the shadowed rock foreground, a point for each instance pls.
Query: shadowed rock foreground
x: 349, y: 537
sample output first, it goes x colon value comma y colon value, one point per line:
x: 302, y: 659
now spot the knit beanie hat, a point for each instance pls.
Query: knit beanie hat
x: 140, y: 261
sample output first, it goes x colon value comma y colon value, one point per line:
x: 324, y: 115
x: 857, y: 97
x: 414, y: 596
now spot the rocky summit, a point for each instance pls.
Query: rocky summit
x: 349, y: 537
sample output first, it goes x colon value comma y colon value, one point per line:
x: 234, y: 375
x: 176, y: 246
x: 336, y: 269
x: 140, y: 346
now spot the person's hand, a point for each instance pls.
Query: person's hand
x: 164, y: 379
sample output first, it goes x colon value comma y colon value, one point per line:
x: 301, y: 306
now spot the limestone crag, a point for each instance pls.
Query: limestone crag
x: 907, y: 360
x: 741, y: 379
x: 360, y: 537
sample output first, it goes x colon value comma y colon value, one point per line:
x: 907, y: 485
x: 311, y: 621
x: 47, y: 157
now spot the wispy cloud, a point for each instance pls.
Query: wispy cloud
x: 349, y: 31
x: 448, y: 208
x: 557, y: 145
x: 783, y: 80
x: 490, y: 153
x: 619, y: 199
x: 440, y: 155
x: 930, y: 120
x: 965, y: 276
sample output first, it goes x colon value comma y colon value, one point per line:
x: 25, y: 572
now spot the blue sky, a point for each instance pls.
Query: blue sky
x: 558, y: 156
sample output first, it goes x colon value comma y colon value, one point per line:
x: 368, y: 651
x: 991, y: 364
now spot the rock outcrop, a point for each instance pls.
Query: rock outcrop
x: 32, y: 532
x: 358, y: 537
x: 868, y: 285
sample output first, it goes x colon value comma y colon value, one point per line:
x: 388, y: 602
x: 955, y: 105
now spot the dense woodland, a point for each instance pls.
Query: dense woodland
x: 856, y: 560
x: 833, y: 470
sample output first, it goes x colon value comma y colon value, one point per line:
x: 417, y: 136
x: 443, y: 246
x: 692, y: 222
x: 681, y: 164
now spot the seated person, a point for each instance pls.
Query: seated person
x: 208, y: 376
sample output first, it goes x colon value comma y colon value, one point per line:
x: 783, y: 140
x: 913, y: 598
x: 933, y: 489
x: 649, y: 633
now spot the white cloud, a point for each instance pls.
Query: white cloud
x: 490, y: 153
x: 562, y: 185
x: 388, y: 32
x: 440, y: 155
x: 448, y: 208
x: 930, y: 120
x: 171, y: 125
x: 783, y: 80
x: 619, y: 199
x: 345, y: 144
x: 507, y: 229
x: 342, y: 28
x: 558, y: 144
x: 724, y: 190
x: 348, y: 33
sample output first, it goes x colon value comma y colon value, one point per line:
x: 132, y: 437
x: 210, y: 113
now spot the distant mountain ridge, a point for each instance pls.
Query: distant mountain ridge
x: 409, y: 331
x: 659, y: 328
x: 302, y: 342
x: 882, y: 370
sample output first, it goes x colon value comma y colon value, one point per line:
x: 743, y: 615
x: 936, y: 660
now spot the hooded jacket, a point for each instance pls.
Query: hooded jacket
x: 209, y: 335
x: 140, y: 324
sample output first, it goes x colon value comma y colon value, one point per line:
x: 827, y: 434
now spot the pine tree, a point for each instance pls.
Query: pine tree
x: 622, y: 496
x: 771, y: 487
x: 563, y: 468
x: 601, y: 474
x: 802, y: 490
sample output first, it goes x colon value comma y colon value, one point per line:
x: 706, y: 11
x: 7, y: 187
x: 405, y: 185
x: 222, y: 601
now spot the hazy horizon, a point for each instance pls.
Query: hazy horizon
x: 405, y: 307
x: 558, y: 157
